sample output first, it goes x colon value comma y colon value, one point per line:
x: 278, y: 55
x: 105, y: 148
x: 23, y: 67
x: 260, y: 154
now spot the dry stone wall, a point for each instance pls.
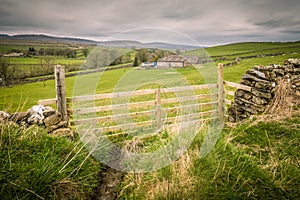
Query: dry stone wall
x: 263, y: 81
x: 42, y: 116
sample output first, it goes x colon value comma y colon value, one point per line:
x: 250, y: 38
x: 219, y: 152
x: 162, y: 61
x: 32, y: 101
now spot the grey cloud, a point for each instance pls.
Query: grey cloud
x: 293, y: 31
x: 279, y: 22
x: 207, y: 20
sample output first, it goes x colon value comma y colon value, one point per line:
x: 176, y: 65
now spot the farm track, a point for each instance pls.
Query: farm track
x: 110, y: 178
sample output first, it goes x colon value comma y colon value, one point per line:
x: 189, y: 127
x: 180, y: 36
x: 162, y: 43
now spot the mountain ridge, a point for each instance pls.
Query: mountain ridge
x: 113, y: 43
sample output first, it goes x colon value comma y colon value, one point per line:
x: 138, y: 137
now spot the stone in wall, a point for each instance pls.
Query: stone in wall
x: 53, y: 119
x: 19, y: 117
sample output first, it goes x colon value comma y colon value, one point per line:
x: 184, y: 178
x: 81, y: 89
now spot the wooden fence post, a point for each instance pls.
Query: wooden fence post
x: 61, y: 103
x: 221, y: 113
x: 158, y: 109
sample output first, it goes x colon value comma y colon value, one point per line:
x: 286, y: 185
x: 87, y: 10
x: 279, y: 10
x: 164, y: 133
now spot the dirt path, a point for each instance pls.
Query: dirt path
x: 110, y: 179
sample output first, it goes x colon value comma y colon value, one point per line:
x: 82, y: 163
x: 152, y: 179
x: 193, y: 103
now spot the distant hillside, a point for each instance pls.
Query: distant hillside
x: 170, y: 46
x: 4, y: 36
x: 122, y: 44
x: 248, y: 48
x: 47, y: 38
x: 114, y: 43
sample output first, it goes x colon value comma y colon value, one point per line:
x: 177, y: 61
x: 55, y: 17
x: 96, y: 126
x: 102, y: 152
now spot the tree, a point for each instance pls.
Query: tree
x: 85, y: 52
x: 41, y: 51
x: 69, y: 53
x: 136, y: 62
x: 142, y: 55
x: 6, y: 71
x: 94, y: 59
x: 4, y: 64
x: 47, y: 67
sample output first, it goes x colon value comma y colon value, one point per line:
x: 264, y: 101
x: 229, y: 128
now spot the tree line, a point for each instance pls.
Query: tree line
x: 12, y: 73
x: 64, y: 52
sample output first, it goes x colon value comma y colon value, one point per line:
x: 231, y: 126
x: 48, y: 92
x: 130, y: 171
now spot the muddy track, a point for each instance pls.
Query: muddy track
x: 110, y: 179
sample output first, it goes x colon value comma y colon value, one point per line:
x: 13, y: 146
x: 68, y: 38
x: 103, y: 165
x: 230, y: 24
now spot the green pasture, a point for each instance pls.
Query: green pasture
x: 7, y: 46
x: 247, y: 48
x: 27, y: 95
x: 21, y: 97
x: 37, y: 60
x: 10, y: 47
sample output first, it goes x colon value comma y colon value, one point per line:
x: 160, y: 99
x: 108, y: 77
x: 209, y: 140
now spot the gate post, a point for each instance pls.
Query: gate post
x: 158, y: 108
x: 61, y: 103
x: 221, y: 113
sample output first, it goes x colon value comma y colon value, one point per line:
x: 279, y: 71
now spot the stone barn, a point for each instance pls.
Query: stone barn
x: 172, y: 61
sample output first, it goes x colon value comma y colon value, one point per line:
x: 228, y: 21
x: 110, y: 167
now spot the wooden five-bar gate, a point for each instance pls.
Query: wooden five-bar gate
x: 152, y: 107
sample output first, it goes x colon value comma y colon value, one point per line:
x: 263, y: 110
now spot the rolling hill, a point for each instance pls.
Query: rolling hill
x: 113, y: 43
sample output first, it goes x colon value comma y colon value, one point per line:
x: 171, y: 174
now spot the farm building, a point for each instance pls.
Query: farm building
x: 192, y: 59
x: 172, y: 61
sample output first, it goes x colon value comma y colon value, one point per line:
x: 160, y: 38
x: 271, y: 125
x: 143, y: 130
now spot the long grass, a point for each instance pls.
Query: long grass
x: 251, y: 161
x: 35, y: 165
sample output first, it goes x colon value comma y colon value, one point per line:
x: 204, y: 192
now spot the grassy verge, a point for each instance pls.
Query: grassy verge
x: 35, y: 165
x: 255, y: 160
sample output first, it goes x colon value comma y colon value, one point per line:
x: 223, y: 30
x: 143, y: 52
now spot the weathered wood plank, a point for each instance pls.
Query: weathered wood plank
x: 227, y: 102
x: 113, y: 107
x: 46, y: 102
x: 230, y: 93
x: 237, y: 86
x: 111, y: 117
x: 112, y: 95
x: 199, y: 106
x: 189, y: 98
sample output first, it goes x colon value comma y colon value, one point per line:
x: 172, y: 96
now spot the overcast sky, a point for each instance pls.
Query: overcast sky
x: 205, y: 22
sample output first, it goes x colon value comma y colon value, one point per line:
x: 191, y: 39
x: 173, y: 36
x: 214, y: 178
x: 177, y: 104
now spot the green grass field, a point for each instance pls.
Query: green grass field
x: 248, y: 48
x: 24, y: 96
x: 37, y: 60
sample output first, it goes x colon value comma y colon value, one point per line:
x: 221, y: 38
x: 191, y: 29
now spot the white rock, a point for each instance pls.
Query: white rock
x: 4, y: 115
x: 38, y: 109
x: 35, y: 118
